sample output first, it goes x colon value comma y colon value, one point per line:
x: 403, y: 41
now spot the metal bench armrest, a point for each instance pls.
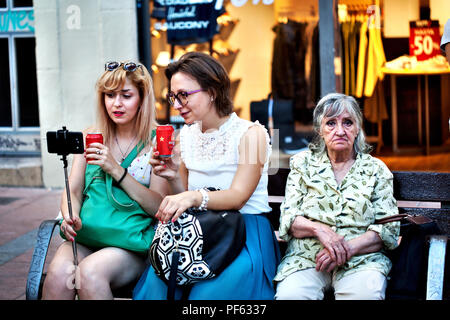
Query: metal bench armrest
x: 44, y: 236
x: 436, y: 264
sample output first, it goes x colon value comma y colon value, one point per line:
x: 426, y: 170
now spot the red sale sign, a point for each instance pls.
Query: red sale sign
x: 424, y: 39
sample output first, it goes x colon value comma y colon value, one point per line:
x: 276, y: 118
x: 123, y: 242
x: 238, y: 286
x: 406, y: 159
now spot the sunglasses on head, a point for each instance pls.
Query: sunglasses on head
x: 127, y: 66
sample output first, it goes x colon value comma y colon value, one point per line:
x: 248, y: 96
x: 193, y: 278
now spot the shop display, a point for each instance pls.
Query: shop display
x: 407, y: 62
x: 295, y: 65
x: 169, y: 42
x: 363, y: 58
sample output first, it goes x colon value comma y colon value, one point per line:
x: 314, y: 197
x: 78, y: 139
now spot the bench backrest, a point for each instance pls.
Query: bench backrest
x: 424, y: 193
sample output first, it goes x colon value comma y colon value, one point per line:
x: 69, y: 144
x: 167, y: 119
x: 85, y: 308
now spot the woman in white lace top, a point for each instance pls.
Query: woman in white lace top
x: 217, y: 149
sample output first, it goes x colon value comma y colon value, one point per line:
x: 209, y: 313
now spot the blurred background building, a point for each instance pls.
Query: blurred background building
x: 52, y: 52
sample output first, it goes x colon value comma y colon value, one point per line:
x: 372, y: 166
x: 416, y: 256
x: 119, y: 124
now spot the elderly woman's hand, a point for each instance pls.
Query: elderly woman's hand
x: 338, y: 248
x: 324, y: 261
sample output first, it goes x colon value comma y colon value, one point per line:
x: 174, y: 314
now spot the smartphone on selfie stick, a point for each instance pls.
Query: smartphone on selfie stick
x: 63, y: 143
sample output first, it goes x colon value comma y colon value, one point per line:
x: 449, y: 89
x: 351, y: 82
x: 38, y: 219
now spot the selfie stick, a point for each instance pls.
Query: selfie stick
x: 69, y: 204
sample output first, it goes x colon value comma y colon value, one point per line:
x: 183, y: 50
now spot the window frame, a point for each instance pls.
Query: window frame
x: 13, y: 77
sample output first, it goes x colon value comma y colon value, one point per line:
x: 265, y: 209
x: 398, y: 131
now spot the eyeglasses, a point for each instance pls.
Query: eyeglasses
x: 128, y: 66
x: 181, y: 97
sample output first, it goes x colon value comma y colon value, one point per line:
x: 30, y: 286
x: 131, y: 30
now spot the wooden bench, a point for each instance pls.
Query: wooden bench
x: 417, y: 193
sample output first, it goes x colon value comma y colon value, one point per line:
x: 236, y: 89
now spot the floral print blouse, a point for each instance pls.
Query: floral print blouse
x: 350, y: 209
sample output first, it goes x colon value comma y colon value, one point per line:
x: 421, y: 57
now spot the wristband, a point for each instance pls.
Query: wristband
x: 205, y: 198
x: 123, y: 176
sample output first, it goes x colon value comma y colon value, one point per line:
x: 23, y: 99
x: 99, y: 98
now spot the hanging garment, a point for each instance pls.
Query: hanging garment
x: 300, y: 111
x: 315, y: 70
x: 375, y: 61
x: 375, y: 106
x: 353, y: 54
x: 381, y: 57
x: 362, y: 52
x: 283, y: 60
x: 308, y: 54
x: 350, y: 32
x: 288, y: 66
x: 312, y: 65
x: 345, y: 33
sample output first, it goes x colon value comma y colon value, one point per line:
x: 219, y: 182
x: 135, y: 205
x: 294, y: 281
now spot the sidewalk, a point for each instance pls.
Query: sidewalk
x: 21, y: 212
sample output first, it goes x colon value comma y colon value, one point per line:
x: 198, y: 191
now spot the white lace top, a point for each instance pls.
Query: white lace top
x: 212, y: 159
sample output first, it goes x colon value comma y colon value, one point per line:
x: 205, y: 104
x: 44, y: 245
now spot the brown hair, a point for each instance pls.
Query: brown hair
x: 210, y: 74
x: 114, y: 80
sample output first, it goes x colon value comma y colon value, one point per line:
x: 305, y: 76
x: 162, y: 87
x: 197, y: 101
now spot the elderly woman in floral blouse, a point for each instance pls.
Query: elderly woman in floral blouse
x: 334, y: 193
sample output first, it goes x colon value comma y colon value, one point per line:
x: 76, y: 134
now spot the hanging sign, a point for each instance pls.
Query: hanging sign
x: 424, y: 39
x: 189, y: 21
x: 17, y: 20
x: 240, y: 3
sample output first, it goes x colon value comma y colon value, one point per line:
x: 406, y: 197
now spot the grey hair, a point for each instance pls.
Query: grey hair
x: 333, y: 105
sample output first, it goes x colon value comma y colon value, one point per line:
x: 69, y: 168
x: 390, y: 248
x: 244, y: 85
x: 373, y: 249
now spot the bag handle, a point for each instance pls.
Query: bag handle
x: 415, y: 219
x: 109, y: 181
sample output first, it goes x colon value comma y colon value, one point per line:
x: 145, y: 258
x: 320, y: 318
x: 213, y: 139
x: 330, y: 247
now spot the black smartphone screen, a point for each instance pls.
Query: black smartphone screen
x: 65, y: 142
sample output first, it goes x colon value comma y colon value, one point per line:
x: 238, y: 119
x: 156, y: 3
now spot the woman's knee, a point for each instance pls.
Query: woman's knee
x: 109, y: 268
x: 363, y: 285
x: 90, y: 275
x: 298, y: 292
x: 60, y: 279
x: 93, y: 283
x: 302, y: 285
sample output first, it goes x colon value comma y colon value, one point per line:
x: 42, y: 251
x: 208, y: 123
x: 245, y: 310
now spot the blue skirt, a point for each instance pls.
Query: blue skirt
x: 248, y: 277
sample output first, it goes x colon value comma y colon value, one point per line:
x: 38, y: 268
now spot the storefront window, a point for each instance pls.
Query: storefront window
x: 22, y: 3
x: 19, y: 120
x: 5, y: 93
x: 26, y: 82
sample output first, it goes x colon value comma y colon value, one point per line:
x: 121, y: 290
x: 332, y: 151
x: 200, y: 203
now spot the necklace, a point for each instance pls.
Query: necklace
x: 124, y: 154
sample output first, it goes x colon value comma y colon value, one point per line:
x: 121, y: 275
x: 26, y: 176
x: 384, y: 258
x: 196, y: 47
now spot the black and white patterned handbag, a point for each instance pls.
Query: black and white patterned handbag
x: 199, y: 245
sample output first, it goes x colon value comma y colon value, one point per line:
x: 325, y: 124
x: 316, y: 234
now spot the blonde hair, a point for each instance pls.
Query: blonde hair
x: 114, y: 80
